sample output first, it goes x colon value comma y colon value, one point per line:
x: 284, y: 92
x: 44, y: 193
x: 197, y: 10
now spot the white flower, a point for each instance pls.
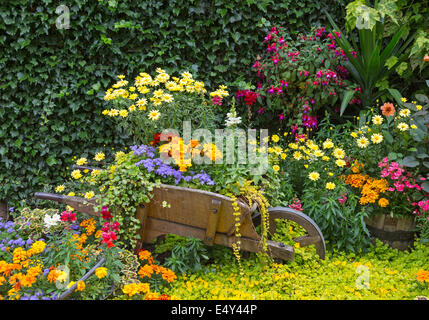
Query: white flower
x: 232, y: 120
x: 51, y: 221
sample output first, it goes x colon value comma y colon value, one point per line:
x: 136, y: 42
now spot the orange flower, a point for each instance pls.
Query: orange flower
x: 383, y: 202
x: 423, y: 276
x: 146, y: 271
x: 144, y: 254
x: 53, y: 275
x: 169, y: 275
x: 80, y: 286
x: 356, y: 180
x: 387, y: 109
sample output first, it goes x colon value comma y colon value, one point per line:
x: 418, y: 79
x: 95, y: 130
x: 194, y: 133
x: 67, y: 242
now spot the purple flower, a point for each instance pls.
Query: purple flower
x: 146, y: 150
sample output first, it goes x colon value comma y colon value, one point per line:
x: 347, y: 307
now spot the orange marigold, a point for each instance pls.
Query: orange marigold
x: 144, y: 254
x: 383, y: 202
x: 146, y: 271
x: 169, y: 275
x: 356, y: 180
x: 423, y: 276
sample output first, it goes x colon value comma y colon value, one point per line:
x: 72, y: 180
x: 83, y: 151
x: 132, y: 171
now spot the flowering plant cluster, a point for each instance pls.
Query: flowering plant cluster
x: 297, y: 78
x: 153, y: 103
x: 312, y: 177
x: 128, y: 180
x: 399, y: 132
x: 43, y: 268
x: 152, y: 275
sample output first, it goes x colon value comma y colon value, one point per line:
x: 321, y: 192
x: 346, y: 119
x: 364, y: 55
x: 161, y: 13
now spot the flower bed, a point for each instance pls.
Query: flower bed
x: 340, y: 172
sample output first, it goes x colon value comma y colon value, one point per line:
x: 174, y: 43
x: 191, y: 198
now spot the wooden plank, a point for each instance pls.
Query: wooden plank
x: 142, y: 216
x: 215, y: 211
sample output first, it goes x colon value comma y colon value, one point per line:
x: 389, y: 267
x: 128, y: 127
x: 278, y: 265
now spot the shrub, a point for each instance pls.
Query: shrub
x: 299, y: 77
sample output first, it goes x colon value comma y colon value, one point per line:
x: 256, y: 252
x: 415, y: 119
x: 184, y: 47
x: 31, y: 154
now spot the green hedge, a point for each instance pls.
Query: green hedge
x: 53, y: 80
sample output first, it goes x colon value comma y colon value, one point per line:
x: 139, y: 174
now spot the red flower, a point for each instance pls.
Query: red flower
x: 68, y: 216
x: 106, y: 213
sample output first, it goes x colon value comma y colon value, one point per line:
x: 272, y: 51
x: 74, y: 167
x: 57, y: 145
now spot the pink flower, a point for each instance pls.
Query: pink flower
x: 343, y: 198
x: 296, y: 204
x: 217, y: 100
x: 399, y: 186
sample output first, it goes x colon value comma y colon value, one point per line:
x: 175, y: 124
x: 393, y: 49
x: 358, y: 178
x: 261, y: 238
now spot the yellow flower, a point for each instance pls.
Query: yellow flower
x: 167, y: 98
x: 154, y: 115
x: 340, y: 162
x: 377, y: 138
x: 297, y: 155
x: 402, y: 126
x: 404, y: 112
x: 276, y: 168
x: 143, y: 89
x: 275, y: 138
x: 327, y: 144
x: 354, y: 134
x: 60, y: 188
x: 283, y: 156
x: 419, y: 107
x: 123, y: 113
x: 362, y: 142
x: 113, y: 113
x: 339, y: 153
x: 404, y: 99
x: 133, y: 96
x: 319, y: 153
x: 158, y: 93
x: 132, y: 108
x: 81, y: 161
x: 89, y: 195
x: 413, y: 126
x: 377, y: 119
x: 71, y: 194
x: 101, y: 272
x: 330, y: 186
x: 76, y: 174
x: 99, y: 156
x: 314, y: 176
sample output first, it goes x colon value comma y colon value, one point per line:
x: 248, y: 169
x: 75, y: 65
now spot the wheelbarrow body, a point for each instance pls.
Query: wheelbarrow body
x: 208, y: 216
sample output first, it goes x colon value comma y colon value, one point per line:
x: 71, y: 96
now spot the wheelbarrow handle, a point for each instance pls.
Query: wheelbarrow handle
x: 77, y: 203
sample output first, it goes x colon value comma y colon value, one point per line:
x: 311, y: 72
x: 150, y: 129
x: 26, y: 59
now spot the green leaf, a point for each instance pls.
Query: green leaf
x: 346, y: 99
x: 410, y: 161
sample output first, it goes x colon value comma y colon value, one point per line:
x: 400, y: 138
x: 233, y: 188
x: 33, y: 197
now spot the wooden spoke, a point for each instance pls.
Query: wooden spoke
x: 313, y: 237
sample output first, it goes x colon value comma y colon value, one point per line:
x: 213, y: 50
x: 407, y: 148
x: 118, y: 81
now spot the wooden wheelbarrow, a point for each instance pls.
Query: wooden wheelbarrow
x: 207, y: 216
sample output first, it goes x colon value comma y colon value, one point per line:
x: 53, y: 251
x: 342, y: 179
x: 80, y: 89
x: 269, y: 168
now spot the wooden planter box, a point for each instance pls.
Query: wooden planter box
x: 398, y: 232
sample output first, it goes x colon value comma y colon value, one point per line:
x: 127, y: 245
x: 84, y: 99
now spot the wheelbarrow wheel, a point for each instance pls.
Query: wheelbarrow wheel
x: 313, y: 234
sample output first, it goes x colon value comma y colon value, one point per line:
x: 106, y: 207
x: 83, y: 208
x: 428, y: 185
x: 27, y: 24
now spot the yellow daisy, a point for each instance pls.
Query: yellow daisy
x: 154, y: 115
